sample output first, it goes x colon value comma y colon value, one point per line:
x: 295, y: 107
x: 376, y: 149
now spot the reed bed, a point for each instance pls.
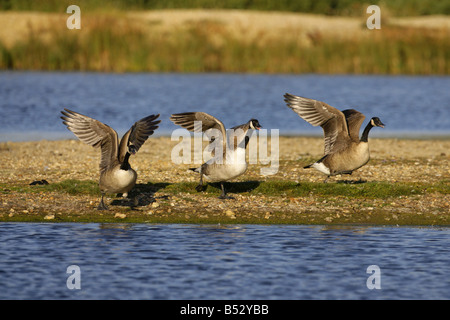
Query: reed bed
x: 116, y: 42
x: 328, y: 7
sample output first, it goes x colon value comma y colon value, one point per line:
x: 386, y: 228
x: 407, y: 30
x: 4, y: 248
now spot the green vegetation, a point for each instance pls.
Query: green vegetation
x: 343, y: 188
x: 73, y: 187
x: 351, y: 189
x: 111, y: 43
x: 341, y: 202
x: 329, y: 7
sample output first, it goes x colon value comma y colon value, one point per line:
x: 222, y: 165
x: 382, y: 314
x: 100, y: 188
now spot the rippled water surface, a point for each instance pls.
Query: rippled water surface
x: 145, y: 261
x: 30, y: 102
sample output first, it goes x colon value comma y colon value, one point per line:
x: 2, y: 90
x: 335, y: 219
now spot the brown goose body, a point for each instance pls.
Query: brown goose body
x: 116, y: 174
x: 349, y: 159
x: 344, y: 151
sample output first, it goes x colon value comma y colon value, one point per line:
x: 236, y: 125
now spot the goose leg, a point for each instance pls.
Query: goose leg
x: 200, y: 185
x: 224, y: 195
x: 102, y: 205
x: 326, y: 179
x: 135, y: 200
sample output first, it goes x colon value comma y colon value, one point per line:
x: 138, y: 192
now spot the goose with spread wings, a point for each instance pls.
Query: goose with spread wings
x: 228, y: 161
x: 116, y: 174
x: 344, y: 150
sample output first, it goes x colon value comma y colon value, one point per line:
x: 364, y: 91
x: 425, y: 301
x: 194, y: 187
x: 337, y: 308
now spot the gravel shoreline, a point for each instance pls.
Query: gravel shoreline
x: 394, y: 161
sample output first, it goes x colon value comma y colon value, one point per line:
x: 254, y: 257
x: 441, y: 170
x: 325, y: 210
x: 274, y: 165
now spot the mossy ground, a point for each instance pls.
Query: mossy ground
x: 405, y: 183
x: 341, y: 202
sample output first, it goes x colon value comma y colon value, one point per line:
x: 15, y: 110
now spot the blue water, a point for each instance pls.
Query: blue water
x: 30, y: 102
x: 146, y: 261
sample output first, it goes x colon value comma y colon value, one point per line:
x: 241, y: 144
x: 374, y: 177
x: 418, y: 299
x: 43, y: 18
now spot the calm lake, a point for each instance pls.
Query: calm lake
x: 146, y: 261
x: 30, y: 102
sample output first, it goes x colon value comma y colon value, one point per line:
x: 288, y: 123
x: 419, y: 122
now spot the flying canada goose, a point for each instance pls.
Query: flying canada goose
x: 344, y: 150
x: 116, y: 174
x: 229, y: 161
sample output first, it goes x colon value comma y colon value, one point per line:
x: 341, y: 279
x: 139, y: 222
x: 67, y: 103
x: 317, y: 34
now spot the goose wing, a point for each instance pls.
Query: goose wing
x: 93, y: 133
x: 201, y: 122
x: 135, y: 137
x: 354, y: 121
x: 319, y: 113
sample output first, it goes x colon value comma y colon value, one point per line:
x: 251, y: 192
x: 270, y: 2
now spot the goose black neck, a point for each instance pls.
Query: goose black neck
x: 125, y: 164
x: 247, y: 139
x: 365, y: 135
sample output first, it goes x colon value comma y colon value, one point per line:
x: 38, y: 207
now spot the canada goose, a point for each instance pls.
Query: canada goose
x: 344, y: 151
x: 116, y: 174
x: 230, y: 162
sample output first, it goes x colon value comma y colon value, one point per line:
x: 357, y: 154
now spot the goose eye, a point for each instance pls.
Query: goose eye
x: 132, y: 149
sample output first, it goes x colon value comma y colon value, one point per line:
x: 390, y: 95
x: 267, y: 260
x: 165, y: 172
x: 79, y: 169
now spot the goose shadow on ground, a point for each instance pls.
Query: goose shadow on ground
x: 141, y: 195
x: 352, y: 181
x: 237, y: 187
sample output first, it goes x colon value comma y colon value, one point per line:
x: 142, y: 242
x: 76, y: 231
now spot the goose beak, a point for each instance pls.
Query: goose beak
x: 376, y: 122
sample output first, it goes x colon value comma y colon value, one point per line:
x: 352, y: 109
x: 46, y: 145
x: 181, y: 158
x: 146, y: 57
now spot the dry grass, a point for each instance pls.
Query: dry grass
x: 223, y: 41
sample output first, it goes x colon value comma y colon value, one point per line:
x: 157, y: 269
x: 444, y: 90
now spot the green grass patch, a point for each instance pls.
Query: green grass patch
x: 74, y: 187
x: 440, y: 187
x: 355, y: 189
x: 338, y: 195
x: 371, y: 190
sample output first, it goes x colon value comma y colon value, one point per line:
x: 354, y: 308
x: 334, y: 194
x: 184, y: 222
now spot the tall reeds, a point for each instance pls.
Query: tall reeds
x: 115, y: 43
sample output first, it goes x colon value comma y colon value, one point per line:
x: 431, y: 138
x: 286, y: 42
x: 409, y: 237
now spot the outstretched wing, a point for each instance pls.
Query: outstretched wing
x: 93, y: 133
x: 319, y: 113
x: 354, y: 121
x: 201, y: 122
x: 135, y: 137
